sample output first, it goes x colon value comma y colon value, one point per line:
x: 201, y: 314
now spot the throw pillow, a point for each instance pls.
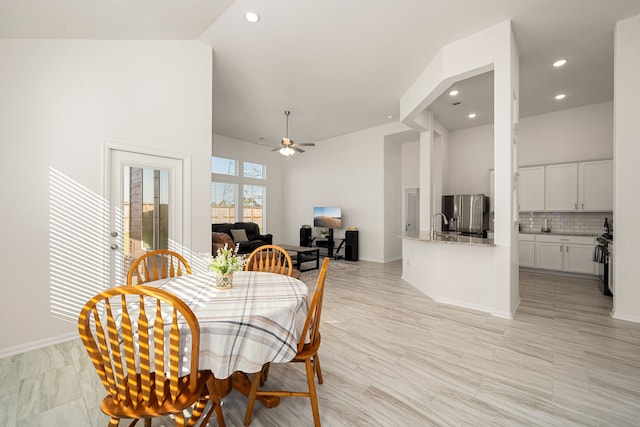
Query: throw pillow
x: 239, y: 235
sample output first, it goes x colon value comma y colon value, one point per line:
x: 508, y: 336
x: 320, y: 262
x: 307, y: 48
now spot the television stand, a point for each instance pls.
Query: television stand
x: 326, y: 244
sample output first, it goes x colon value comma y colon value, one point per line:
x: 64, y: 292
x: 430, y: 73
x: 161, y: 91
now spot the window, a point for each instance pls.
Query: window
x: 226, y: 184
x: 252, y: 211
x: 223, y: 202
x: 223, y: 166
x: 253, y: 170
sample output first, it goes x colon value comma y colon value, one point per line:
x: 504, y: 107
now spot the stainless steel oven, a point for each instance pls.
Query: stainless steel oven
x: 610, y: 278
x: 603, y: 257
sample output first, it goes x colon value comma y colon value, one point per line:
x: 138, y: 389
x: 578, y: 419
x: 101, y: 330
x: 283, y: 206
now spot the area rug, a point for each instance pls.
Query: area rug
x: 335, y: 267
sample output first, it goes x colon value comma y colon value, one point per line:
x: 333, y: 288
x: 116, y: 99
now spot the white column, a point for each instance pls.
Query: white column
x: 626, y: 155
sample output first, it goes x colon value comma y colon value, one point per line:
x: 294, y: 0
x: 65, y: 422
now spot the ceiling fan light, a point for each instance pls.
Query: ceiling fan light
x: 287, y: 151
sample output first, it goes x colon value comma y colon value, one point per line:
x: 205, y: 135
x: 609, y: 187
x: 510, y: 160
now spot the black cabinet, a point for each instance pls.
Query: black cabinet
x: 351, y: 245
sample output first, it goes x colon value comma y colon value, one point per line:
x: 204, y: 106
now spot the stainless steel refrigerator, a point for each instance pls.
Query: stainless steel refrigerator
x: 467, y: 213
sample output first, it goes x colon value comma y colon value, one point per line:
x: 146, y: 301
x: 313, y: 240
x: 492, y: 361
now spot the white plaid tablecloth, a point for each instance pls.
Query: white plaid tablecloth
x: 257, y: 321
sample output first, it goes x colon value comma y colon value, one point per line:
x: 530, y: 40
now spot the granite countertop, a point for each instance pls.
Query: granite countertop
x: 448, y: 238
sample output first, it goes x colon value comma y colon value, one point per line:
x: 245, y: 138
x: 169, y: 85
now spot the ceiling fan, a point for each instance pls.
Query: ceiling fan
x: 287, y: 146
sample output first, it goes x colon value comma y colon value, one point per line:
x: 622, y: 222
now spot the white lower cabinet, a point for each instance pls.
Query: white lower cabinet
x: 549, y: 256
x: 578, y: 259
x: 565, y: 253
x: 526, y: 250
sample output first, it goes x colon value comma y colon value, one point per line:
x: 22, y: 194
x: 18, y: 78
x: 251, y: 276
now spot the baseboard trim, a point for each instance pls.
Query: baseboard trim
x: 542, y: 272
x: 628, y: 318
x: 35, y: 345
x: 458, y: 303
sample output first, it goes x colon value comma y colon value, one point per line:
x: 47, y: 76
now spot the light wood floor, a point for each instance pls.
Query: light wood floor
x: 393, y: 357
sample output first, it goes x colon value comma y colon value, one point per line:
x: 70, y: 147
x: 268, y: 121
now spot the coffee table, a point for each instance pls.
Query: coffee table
x: 301, y: 254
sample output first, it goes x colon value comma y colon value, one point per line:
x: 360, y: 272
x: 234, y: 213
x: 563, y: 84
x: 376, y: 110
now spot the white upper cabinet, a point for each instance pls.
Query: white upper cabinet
x: 566, y: 187
x: 595, y: 186
x: 561, y: 187
x: 531, y: 189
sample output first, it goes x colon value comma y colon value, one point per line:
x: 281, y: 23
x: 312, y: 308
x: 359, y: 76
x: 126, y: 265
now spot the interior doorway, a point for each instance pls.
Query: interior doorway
x: 412, y: 212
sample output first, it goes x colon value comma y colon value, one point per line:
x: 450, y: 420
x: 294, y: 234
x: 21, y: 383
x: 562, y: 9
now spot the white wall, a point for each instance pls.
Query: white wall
x: 60, y: 101
x: 584, y: 133
x: 471, y: 157
x: 410, y: 160
x: 392, y: 200
x: 626, y: 204
x: 241, y: 150
x: 346, y: 171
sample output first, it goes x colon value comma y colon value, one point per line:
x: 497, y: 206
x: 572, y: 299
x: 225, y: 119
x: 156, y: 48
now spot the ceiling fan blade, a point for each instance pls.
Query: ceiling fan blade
x: 299, y: 150
x: 277, y: 148
x: 306, y: 144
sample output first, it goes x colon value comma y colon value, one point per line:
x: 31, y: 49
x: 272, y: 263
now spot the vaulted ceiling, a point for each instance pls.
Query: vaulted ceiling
x: 342, y: 66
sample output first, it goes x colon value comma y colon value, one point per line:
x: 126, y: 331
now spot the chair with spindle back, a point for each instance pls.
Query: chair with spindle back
x: 132, y: 335
x: 270, y: 258
x: 307, y: 353
x: 157, y: 265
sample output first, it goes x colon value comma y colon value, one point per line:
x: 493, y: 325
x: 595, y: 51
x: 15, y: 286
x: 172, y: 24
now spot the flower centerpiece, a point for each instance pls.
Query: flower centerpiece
x: 224, y: 264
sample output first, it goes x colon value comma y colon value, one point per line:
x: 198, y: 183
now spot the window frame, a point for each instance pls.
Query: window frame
x: 240, y: 181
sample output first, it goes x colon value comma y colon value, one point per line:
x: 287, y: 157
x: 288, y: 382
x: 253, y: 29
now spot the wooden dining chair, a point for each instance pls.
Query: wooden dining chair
x: 157, y: 265
x: 270, y: 258
x: 307, y: 353
x: 132, y: 335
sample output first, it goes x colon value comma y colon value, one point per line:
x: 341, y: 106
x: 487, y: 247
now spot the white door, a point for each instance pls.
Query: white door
x: 412, y: 212
x: 146, y: 207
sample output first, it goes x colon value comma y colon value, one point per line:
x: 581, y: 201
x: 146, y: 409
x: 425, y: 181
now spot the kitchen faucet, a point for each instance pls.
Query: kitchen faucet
x: 433, y: 223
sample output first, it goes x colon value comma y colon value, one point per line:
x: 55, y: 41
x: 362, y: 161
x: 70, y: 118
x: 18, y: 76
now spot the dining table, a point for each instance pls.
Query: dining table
x: 257, y: 321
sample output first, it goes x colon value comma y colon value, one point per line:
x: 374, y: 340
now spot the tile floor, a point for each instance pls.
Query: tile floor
x: 393, y: 357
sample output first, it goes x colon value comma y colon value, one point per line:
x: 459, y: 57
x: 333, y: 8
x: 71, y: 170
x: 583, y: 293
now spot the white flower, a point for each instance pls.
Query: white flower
x: 227, y: 261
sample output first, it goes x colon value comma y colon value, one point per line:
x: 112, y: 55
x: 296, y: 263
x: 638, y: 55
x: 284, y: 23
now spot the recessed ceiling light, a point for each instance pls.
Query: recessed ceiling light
x: 472, y: 115
x: 560, y: 96
x: 454, y: 92
x: 559, y: 63
x: 390, y: 116
x: 252, y: 17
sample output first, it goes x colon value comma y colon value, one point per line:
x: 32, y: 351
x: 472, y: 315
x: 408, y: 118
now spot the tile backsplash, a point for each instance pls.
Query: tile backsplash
x: 566, y: 222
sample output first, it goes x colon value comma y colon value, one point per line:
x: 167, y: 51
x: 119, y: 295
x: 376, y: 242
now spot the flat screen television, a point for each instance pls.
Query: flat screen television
x: 327, y: 216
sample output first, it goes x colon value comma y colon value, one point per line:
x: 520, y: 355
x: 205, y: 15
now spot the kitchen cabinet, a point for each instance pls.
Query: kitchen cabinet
x: 526, y: 250
x: 578, y: 258
x: 595, y: 186
x: 565, y: 253
x: 561, y: 187
x: 531, y: 191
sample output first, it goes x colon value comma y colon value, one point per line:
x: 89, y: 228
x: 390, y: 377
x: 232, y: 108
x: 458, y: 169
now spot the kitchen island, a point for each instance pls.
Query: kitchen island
x: 452, y: 269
